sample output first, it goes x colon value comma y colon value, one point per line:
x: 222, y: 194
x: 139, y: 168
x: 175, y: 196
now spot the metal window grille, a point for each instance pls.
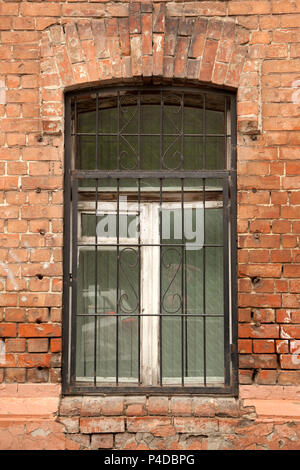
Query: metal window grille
x: 149, y: 241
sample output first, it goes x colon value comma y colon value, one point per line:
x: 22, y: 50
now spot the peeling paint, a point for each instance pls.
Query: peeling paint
x: 296, y: 356
x: 40, y: 433
x: 287, y: 318
x: 2, y: 351
x: 28, y: 247
x: 10, y: 275
x: 74, y: 43
x: 285, y: 335
x: 2, y: 92
x: 15, y: 257
x: 158, y: 41
x: 296, y: 93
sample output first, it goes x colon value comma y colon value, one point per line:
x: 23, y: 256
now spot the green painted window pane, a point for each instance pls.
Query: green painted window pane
x: 215, y: 364
x: 105, y: 225
x: 214, y: 226
x: 107, y: 304
x: 183, y: 283
x: 214, y: 281
x: 182, y: 148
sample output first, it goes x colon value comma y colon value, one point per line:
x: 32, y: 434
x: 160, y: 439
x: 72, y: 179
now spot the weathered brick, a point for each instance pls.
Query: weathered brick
x: 135, y: 409
x: 38, y: 345
x: 158, y: 47
x: 30, y: 330
x: 102, y: 441
x: 71, y: 424
x: 171, y: 27
x: 70, y: 406
x: 290, y: 361
x: 159, y: 17
x: 8, y: 330
x: 259, y: 331
x: 181, y: 406
x: 147, y: 34
x: 249, y: 8
x: 188, y: 425
x: 227, y: 407
x: 150, y: 424
x: 97, y: 425
x: 13, y: 375
x: 289, y: 377
x: 15, y: 345
x: 204, y: 406
x: 208, y: 59
x: 91, y: 406
x: 158, y: 405
x: 135, y: 18
x: 113, y: 406
x: 266, y: 377
x: 255, y: 361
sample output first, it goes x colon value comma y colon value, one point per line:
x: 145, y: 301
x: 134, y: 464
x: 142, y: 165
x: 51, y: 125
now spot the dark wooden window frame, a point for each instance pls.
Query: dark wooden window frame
x: 73, y: 175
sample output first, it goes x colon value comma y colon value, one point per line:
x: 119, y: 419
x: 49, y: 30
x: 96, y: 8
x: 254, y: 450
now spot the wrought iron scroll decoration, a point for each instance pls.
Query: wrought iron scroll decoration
x: 132, y: 112
x: 125, y: 297
x: 176, y: 295
x: 177, y: 155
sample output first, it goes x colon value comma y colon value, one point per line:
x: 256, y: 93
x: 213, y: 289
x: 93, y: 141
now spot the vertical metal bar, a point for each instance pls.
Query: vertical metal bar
x: 233, y: 132
x: 161, y: 129
x: 226, y: 282
x: 160, y: 283
x: 96, y: 284
x: 84, y: 359
x: 139, y: 281
x: 183, y: 343
x: 118, y: 254
x: 76, y: 146
x: 225, y: 132
x: 139, y: 130
x: 160, y: 241
x: 74, y: 276
x: 139, y: 240
x: 118, y: 281
x: 182, y: 131
x: 67, y: 245
x: 204, y: 287
x: 97, y: 126
x: 185, y: 313
x: 233, y: 247
x: 182, y: 283
x: 204, y: 131
x: 74, y: 247
x: 96, y: 244
x: 118, y: 142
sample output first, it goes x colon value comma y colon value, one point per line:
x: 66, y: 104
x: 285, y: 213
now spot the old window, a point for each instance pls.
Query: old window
x: 149, y: 240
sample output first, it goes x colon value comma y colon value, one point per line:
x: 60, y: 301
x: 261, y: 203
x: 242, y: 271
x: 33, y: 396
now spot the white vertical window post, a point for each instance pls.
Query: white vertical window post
x: 150, y: 295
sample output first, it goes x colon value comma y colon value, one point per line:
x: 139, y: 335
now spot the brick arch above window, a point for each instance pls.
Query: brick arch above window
x: 150, y: 42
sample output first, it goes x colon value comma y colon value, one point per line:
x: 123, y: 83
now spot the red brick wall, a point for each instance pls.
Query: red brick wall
x: 251, y: 46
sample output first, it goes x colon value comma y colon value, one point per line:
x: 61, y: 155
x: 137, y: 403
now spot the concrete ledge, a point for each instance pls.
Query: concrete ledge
x: 272, y: 402
x: 34, y: 434
x: 41, y: 407
x: 275, y: 408
x: 30, y: 390
x: 28, y: 418
x: 273, y: 392
x: 21, y: 401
